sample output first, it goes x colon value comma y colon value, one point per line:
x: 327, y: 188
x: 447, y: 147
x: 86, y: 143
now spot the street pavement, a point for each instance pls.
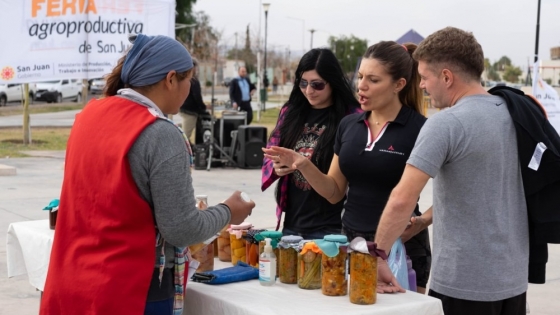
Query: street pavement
x: 39, y: 180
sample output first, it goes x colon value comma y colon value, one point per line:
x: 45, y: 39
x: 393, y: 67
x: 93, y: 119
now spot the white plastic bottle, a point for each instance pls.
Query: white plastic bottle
x: 267, y: 265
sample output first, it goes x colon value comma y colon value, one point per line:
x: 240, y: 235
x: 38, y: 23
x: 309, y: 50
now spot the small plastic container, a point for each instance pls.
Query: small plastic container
x: 309, y: 266
x: 275, y: 237
x: 287, y: 263
x: 411, y: 275
x: 237, y: 243
x: 334, y: 276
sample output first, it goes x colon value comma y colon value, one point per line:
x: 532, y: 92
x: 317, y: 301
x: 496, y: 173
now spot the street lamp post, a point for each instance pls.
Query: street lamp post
x: 266, y: 6
x: 311, y: 31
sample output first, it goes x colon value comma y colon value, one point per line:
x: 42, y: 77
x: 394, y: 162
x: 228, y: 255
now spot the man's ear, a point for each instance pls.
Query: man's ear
x: 447, y: 77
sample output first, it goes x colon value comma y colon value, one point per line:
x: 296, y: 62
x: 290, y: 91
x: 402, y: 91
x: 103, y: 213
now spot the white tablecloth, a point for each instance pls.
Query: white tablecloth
x: 250, y: 298
x: 28, y: 250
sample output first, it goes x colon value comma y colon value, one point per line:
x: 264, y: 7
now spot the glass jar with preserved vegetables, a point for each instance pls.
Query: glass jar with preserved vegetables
x: 224, y: 248
x: 334, y: 265
x: 287, y: 262
x: 309, y: 266
x: 363, y: 271
x: 252, y: 248
x: 237, y: 243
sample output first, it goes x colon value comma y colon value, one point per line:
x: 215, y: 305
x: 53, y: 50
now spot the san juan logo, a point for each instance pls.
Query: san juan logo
x: 7, y: 73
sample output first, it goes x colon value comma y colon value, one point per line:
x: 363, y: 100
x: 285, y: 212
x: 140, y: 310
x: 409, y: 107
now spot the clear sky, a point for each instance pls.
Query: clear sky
x: 502, y: 27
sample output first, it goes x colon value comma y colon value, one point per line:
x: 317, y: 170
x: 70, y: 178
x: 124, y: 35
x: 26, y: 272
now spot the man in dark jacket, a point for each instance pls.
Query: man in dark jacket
x: 240, y: 91
x: 193, y: 105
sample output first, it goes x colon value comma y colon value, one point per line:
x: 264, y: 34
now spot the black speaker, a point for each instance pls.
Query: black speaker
x: 251, y: 139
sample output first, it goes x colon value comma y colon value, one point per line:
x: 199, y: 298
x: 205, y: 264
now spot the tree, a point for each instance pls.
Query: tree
x: 348, y: 51
x: 184, y: 15
x: 512, y: 73
x: 501, y: 64
x: 493, y: 75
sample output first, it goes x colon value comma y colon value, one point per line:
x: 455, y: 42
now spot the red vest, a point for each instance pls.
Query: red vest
x: 103, y: 254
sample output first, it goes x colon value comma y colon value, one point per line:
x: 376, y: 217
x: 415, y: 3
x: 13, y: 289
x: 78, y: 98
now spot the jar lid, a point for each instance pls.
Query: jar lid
x: 270, y: 234
x: 330, y: 244
x: 201, y: 196
x: 336, y: 238
x: 291, y: 239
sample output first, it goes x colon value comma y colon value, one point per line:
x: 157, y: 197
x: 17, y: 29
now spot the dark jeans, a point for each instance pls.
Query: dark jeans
x: 246, y: 107
x: 453, y: 306
x: 315, y: 235
x: 164, y: 307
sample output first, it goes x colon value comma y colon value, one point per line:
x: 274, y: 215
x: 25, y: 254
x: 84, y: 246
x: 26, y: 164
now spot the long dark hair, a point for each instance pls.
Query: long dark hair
x: 398, y: 62
x: 325, y: 63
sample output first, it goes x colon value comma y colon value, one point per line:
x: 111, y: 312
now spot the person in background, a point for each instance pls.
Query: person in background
x: 481, y: 230
x: 307, y: 124
x: 193, y: 105
x: 371, y: 149
x: 127, y: 208
x: 240, y: 92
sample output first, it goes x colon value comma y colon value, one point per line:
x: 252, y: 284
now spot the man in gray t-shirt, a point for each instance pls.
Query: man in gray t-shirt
x: 480, y: 225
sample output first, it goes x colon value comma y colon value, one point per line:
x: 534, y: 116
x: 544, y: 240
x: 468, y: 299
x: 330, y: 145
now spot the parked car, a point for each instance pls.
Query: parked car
x: 58, y: 90
x: 96, y: 86
x: 14, y: 93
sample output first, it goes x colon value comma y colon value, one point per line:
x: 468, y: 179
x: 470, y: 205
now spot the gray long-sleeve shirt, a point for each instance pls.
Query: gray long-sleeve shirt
x: 160, y: 166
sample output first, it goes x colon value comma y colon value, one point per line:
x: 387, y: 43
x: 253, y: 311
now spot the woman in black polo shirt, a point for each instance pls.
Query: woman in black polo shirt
x: 371, y: 150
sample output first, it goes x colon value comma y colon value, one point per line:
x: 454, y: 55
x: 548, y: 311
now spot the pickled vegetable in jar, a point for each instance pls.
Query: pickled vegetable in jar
x: 206, y: 258
x: 334, y: 265
x: 224, y: 248
x: 252, y: 248
x: 287, y: 262
x: 309, y: 266
x: 237, y: 243
x: 363, y: 271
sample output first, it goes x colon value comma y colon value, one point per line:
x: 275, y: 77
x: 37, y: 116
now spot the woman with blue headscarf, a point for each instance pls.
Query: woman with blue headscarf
x: 127, y: 209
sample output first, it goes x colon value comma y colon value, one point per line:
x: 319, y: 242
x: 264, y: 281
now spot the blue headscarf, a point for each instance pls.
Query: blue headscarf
x: 151, y: 58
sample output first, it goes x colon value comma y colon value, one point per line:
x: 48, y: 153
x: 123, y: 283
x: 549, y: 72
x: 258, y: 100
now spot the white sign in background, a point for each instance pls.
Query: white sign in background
x: 548, y: 97
x: 81, y: 39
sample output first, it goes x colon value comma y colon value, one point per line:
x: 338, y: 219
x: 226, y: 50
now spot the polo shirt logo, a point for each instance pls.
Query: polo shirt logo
x: 391, y: 150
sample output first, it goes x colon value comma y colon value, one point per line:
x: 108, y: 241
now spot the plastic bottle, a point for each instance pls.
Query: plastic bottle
x: 267, y: 265
x: 411, y: 275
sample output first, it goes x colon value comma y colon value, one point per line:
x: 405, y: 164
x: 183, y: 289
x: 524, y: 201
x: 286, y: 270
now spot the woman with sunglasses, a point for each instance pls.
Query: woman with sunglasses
x: 307, y: 123
x: 371, y: 150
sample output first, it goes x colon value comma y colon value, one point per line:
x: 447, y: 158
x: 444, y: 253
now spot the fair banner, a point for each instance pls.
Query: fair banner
x: 46, y: 40
x: 548, y: 97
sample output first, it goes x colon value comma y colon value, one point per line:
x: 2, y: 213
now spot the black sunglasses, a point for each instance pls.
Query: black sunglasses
x: 316, y: 85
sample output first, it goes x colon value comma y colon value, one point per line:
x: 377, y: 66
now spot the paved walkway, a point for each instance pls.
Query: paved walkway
x: 39, y: 180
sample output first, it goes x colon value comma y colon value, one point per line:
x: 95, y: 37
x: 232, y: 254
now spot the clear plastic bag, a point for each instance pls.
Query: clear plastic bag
x: 397, y: 263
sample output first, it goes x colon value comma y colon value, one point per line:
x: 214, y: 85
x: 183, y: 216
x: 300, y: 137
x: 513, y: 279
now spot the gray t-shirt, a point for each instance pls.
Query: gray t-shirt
x: 160, y: 166
x: 480, y: 224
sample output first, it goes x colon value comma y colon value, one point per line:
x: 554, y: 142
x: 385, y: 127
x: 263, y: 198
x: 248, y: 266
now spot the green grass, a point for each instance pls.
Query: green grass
x: 42, y: 139
x: 51, y: 139
x: 39, y: 108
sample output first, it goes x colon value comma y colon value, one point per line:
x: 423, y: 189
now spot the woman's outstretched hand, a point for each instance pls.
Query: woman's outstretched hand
x: 285, y: 161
